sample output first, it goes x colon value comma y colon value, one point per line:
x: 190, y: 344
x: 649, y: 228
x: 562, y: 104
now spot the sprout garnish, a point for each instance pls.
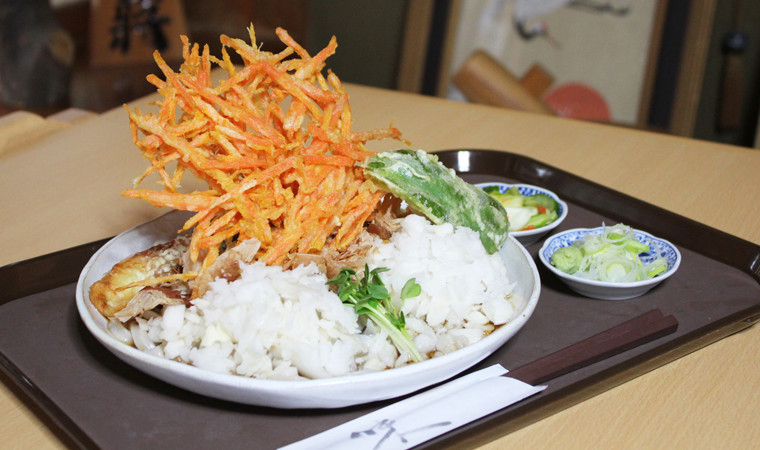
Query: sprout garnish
x: 370, y: 297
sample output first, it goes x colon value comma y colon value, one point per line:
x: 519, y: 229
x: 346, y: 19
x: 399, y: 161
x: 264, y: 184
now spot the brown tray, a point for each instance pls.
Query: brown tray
x: 91, y: 399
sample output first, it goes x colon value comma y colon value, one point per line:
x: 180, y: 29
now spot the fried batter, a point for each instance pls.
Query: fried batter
x: 151, y: 297
x: 109, y: 294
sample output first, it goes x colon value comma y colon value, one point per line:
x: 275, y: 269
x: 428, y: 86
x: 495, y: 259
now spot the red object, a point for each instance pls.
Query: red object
x: 578, y: 101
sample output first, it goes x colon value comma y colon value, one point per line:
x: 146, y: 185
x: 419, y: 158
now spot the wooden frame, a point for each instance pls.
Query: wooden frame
x: 688, y: 85
x: 414, y: 46
x: 655, y: 45
x: 692, y: 67
x: 417, y: 42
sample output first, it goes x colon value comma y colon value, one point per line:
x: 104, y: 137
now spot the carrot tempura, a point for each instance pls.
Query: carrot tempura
x: 273, y: 141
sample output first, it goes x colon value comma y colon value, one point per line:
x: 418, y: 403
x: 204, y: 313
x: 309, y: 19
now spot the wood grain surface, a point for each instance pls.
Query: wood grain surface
x: 63, y: 190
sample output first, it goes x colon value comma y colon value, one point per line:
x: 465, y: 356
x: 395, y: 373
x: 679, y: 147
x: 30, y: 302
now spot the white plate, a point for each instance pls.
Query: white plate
x: 322, y: 393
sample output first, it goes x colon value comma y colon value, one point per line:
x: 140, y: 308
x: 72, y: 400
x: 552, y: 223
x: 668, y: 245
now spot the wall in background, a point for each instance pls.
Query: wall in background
x: 389, y: 44
x: 358, y: 25
x: 605, y: 49
x: 369, y: 35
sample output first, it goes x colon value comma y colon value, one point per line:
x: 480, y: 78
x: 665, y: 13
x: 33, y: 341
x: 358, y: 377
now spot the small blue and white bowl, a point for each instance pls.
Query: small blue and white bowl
x: 529, y: 237
x: 606, y: 290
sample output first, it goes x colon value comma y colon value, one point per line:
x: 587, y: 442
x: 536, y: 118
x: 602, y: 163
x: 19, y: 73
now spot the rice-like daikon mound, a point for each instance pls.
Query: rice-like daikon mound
x: 269, y: 323
x: 465, y: 291
x: 279, y: 324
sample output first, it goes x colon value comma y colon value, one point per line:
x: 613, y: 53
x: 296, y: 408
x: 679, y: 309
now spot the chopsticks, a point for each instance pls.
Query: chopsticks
x: 426, y: 415
x: 627, y: 335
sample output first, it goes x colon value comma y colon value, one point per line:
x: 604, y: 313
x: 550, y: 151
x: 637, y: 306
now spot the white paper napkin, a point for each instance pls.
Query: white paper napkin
x: 419, y: 418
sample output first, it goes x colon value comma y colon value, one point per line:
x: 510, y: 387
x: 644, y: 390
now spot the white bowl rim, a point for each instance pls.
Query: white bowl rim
x: 552, y: 194
x: 608, y: 284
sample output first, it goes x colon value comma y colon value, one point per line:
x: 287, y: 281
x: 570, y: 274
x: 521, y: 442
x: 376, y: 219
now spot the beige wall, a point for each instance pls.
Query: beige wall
x: 607, y: 52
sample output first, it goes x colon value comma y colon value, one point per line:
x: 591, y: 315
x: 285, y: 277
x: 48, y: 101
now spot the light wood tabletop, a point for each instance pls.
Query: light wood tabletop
x: 61, y: 187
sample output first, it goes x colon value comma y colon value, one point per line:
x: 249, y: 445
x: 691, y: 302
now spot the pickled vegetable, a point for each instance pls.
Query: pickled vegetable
x: 567, y: 259
x: 612, y: 256
x: 525, y: 212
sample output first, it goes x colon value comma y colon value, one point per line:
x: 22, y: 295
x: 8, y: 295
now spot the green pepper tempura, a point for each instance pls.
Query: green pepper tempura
x: 435, y: 191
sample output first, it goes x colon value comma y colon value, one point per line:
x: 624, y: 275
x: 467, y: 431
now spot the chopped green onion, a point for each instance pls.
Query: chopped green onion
x: 611, y: 256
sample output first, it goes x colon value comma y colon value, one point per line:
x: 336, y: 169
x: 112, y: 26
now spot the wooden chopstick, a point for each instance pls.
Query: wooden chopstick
x: 627, y: 335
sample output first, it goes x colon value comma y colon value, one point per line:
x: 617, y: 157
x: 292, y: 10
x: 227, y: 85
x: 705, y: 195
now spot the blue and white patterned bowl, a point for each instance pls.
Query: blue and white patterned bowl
x: 529, y: 237
x: 606, y: 290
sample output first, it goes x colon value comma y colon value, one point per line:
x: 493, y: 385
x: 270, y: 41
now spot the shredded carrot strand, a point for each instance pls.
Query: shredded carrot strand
x: 273, y: 141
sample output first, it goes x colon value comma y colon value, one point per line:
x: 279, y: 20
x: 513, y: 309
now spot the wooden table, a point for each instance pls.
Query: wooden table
x: 62, y: 188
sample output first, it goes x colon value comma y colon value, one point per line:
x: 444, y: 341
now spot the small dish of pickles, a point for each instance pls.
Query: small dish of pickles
x: 615, y: 262
x: 533, y: 211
